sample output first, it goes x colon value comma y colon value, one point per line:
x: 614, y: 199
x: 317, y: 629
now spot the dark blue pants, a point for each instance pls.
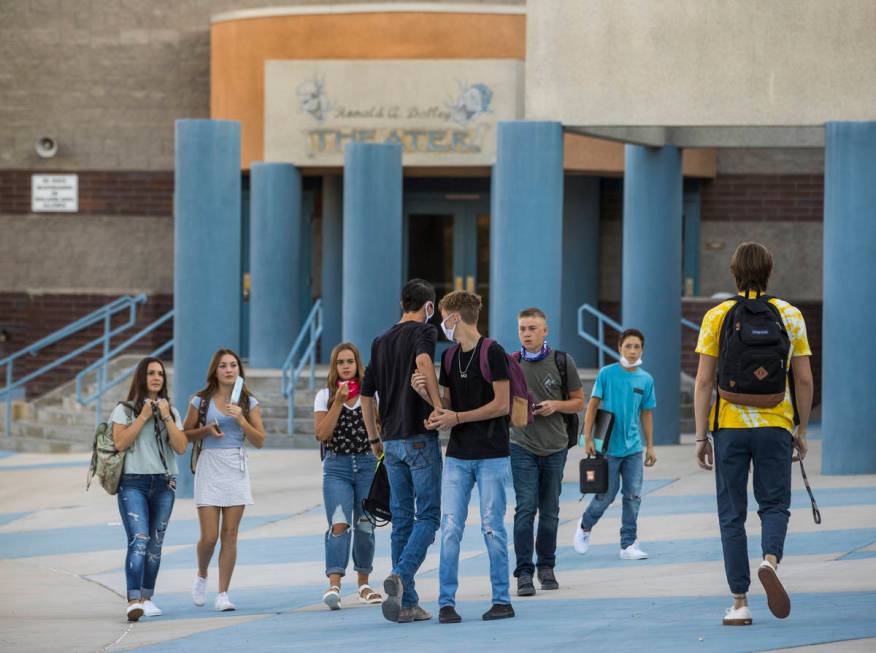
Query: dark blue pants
x: 768, y: 450
x: 538, y: 481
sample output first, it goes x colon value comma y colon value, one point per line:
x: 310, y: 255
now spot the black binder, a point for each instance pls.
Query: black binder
x: 593, y: 470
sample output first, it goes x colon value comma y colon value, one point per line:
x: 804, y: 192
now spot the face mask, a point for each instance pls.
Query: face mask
x: 353, y: 384
x: 448, y: 332
x: 539, y: 355
x: 628, y: 365
x: 429, y: 314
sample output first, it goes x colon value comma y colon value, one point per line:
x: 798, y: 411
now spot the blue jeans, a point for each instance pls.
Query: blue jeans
x: 413, y: 466
x: 624, y: 474
x: 538, y: 482
x: 145, y: 503
x: 346, y: 480
x: 460, y: 476
x: 769, y: 449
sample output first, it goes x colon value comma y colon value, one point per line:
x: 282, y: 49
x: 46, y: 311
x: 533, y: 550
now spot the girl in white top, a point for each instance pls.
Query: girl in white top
x: 222, y: 487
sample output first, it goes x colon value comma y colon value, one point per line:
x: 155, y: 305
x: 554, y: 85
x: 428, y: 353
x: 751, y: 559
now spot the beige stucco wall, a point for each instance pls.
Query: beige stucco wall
x: 86, y: 254
x: 701, y: 62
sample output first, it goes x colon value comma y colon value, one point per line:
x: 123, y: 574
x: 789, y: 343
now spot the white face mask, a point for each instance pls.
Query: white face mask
x: 429, y: 314
x: 448, y: 332
x: 628, y: 365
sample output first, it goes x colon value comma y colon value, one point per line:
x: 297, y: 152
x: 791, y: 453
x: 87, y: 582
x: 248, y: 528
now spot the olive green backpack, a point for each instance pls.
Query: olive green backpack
x: 107, y: 462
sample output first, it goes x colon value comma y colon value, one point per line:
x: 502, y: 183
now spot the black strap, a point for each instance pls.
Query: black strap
x: 816, y: 513
x: 563, y: 369
x: 159, y: 424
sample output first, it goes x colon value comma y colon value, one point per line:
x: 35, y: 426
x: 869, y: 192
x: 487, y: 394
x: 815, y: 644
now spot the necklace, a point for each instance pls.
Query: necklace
x: 463, y: 373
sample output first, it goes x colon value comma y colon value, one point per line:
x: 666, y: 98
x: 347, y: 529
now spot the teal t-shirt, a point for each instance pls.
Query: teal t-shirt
x: 142, y: 457
x: 626, y: 395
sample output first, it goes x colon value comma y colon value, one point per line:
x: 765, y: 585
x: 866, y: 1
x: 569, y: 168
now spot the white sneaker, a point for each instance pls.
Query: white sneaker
x: 633, y: 552
x: 737, y: 616
x: 582, y: 540
x: 223, y: 603
x: 135, y: 611
x: 199, y: 591
x: 150, y: 609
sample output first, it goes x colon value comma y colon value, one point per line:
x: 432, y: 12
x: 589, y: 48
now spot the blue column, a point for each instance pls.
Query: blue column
x: 206, y: 278
x: 651, y: 273
x: 332, y: 262
x: 580, y: 266
x: 526, y: 229
x: 372, y: 241
x: 848, y: 388
x: 275, y: 234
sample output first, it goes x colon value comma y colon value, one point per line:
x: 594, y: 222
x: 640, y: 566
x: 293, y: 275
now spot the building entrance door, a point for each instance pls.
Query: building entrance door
x: 448, y: 244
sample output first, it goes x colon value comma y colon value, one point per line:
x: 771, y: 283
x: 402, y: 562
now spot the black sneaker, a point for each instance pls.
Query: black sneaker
x: 499, y: 611
x: 547, y: 579
x: 448, y: 615
x: 525, y: 587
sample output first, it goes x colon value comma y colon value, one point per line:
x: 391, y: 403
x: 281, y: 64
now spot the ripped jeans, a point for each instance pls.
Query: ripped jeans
x: 346, y: 480
x: 491, y: 476
x: 625, y: 474
x: 145, y: 503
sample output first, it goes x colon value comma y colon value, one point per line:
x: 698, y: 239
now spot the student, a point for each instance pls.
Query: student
x: 149, y: 431
x: 627, y: 391
x: 747, y: 435
x: 538, y: 451
x: 413, y: 455
x: 347, y: 472
x: 476, y: 412
x: 222, y: 488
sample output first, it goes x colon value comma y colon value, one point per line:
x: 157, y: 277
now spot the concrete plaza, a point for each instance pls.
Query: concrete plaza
x: 62, y: 577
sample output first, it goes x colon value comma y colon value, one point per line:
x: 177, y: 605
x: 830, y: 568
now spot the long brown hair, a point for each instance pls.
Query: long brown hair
x: 139, y: 389
x: 332, y: 379
x: 213, y: 381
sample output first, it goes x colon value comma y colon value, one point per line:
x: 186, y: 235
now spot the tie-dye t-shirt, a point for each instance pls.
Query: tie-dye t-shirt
x: 734, y: 416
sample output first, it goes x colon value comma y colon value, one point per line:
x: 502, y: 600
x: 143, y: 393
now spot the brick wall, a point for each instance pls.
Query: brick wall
x: 696, y: 309
x: 101, y: 192
x: 763, y: 198
x: 25, y: 319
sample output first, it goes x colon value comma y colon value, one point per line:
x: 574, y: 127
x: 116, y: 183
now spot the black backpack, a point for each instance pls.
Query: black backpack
x: 571, y: 419
x: 753, y: 356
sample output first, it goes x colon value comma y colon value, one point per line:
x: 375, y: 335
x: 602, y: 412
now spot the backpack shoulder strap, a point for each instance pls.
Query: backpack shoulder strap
x: 484, y: 361
x: 203, y: 406
x: 563, y: 369
x: 447, y: 358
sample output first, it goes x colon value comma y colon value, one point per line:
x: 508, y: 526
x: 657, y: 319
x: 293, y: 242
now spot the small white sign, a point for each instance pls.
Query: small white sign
x: 54, y: 193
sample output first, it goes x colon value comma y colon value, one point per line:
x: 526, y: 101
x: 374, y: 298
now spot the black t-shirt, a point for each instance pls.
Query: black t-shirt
x: 393, y: 361
x: 476, y: 440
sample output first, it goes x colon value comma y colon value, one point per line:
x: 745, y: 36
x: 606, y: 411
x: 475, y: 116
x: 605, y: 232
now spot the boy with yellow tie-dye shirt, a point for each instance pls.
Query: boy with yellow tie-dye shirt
x: 760, y: 436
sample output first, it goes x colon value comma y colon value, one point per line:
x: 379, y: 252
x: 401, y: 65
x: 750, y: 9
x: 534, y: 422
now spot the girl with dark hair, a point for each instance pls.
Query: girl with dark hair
x: 149, y: 431
x: 222, y: 488
x: 348, y: 470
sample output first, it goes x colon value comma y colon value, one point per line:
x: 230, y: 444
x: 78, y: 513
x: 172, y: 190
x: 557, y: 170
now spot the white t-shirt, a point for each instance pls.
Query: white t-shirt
x: 320, y: 402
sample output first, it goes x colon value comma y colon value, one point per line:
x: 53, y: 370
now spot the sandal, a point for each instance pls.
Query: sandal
x: 332, y: 598
x: 368, y: 595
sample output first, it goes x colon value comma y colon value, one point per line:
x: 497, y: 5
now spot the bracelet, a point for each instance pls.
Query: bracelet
x: 457, y: 418
x: 168, y: 418
x: 374, y: 441
x: 703, y: 440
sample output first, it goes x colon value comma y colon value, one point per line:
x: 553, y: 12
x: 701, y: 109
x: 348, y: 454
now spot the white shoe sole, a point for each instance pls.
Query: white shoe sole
x: 332, y: 600
x: 737, y: 622
x: 135, y: 614
x: 201, y: 603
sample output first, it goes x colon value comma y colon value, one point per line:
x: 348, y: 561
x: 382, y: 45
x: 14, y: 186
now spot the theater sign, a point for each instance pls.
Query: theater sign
x: 442, y: 112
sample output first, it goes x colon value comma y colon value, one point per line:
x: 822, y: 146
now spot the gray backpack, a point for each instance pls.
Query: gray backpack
x: 107, y: 462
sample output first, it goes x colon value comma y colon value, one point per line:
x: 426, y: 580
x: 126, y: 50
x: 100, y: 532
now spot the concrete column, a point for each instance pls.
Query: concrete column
x: 848, y: 388
x: 651, y: 277
x: 372, y: 241
x: 206, y: 279
x: 332, y: 262
x: 527, y: 226
x: 275, y: 249
x: 580, y: 266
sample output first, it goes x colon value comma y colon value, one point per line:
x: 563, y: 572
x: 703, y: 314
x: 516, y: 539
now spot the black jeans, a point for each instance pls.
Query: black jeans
x: 769, y: 450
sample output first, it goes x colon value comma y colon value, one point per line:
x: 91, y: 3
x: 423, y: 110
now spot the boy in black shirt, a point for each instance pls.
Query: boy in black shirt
x: 476, y: 411
x: 413, y: 455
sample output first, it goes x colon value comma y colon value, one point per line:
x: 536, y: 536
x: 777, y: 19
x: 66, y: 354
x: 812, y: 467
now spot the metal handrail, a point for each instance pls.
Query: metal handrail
x: 103, y: 314
x: 601, y: 320
x: 599, y: 342
x: 291, y: 372
x: 100, y: 367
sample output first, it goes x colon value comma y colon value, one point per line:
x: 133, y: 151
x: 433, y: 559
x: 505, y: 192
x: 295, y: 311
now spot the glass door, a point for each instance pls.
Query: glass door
x: 448, y: 244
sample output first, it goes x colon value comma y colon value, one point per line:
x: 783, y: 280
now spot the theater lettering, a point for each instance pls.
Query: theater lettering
x: 413, y: 140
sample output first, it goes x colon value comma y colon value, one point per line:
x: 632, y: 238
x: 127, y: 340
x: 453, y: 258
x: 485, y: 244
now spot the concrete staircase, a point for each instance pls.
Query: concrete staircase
x: 57, y: 423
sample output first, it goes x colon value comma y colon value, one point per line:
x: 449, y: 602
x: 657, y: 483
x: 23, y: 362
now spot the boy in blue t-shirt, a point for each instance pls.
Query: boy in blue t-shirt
x: 627, y: 391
